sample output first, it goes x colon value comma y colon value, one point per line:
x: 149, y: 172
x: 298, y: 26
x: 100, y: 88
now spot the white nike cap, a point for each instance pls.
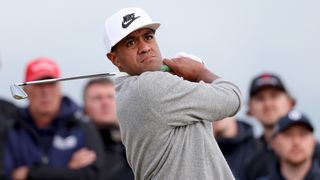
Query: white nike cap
x: 124, y: 22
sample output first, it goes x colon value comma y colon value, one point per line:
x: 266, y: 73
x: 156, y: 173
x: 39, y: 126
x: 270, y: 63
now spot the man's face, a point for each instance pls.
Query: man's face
x: 295, y: 145
x: 269, y: 104
x: 136, y: 53
x: 100, y: 103
x: 44, y: 99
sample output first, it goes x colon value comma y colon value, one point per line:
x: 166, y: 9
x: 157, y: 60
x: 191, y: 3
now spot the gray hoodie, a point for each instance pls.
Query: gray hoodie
x: 165, y: 125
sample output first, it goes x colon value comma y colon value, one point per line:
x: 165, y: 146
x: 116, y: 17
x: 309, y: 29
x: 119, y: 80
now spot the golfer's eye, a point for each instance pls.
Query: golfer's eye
x: 149, y: 36
x: 130, y: 43
x: 95, y: 98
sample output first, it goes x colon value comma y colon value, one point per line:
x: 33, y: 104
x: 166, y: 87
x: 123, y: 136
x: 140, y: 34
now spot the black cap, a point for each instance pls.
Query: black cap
x: 265, y: 80
x: 294, y: 117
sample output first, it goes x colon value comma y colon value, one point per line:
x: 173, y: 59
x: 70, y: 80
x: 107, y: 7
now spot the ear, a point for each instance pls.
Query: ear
x: 249, y: 108
x: 293, y: 101
x: 114, y: 59
x: 314, y: 141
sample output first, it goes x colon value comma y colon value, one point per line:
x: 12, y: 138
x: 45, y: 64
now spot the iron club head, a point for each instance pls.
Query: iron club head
x: 17, y: 92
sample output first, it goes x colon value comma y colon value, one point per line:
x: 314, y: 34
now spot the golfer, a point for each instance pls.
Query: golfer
x: 165, y: 118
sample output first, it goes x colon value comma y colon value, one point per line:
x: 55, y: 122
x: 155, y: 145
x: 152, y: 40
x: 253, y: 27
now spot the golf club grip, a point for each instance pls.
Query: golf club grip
x: 165, y: 68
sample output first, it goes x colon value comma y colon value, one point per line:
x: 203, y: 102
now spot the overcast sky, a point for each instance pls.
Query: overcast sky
x: 236, y: 39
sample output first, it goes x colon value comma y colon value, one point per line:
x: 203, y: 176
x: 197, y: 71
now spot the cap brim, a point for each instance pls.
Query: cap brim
x: 305, y: 124
x: 41, y: 76
x: 298, y: 124
x: 267, y: 86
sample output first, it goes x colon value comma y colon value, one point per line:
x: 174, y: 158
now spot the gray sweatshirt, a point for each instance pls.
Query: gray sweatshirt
x: 165, y: 125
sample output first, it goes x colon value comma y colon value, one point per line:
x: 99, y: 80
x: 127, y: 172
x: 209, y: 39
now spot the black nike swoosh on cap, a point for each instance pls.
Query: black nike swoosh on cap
x: 126, y: 24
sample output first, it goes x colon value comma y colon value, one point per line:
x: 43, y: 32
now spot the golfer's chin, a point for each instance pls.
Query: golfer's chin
x: 152, y: 66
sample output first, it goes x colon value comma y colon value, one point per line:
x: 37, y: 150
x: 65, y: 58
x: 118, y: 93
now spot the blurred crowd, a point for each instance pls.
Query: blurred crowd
x: 55, y: 138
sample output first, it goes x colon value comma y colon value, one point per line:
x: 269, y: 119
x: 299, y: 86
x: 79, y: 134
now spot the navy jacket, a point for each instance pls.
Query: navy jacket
x: 237, y: 150
x: 47, y: 151
x: 313, y: 173
x: 8, y: 114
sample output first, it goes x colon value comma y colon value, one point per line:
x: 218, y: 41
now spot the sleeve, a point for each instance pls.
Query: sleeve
x: 178, y: 102
x: 93, y: 171
x: 8, y: 158
x: 2, y: 149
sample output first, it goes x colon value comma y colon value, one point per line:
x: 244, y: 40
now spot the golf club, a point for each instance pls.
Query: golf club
x: 18, y: 93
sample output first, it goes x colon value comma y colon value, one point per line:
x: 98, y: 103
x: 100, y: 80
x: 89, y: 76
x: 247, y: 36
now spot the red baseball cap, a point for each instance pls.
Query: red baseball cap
x: 41, y: 67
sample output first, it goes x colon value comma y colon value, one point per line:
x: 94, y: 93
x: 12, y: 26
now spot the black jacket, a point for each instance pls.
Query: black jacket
x: 238, y: 149
x: 47, y: 151
x: 116, y: 166
x: 275, y: 174
x: 8, y: 114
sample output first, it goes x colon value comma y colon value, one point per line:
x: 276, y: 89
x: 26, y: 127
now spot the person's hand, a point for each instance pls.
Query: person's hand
x: 82, y: 158
x: 190, y: 69
x: 20, y: 173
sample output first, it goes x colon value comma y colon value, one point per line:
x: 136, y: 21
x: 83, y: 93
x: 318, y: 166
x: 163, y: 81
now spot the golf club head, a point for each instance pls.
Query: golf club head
x: 17, y: 92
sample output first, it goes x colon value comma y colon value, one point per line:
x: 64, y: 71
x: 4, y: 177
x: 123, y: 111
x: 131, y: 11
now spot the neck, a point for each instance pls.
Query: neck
x: 42, y: 120
x: 295, y: 172
x: 268, y: 134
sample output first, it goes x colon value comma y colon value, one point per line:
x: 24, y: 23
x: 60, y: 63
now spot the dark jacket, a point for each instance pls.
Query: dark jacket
x: 238, y: 149
x: 8, y: 114
x: 313, y: 173
x: 47, y: 151
x: 263, y: 160
x: 116, y: 164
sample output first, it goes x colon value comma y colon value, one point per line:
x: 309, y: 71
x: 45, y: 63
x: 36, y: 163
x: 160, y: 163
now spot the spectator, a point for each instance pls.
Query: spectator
x: 8, y: 114
x: 293, y: 142
x: 236, y: 141
x: 51, y: 140
x: 269, y: 101
x: 165, y: 119
x: 100, y: 107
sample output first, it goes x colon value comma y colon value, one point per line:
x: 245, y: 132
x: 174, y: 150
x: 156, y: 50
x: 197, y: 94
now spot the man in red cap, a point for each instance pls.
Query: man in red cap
x: 53, y: 139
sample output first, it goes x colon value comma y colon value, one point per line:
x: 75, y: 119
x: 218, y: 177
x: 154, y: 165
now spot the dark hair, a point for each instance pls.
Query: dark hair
x: 102, y: 81
x: 113, y: 48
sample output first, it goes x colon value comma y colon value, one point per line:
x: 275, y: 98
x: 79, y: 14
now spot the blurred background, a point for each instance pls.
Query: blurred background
x: 236, y: 39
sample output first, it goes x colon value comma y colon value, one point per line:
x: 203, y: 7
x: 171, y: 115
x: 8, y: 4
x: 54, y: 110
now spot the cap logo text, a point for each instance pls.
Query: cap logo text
x: 128, y: 19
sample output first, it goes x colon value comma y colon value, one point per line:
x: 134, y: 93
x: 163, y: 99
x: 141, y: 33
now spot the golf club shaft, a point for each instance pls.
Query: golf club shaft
x: 65, y: 79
